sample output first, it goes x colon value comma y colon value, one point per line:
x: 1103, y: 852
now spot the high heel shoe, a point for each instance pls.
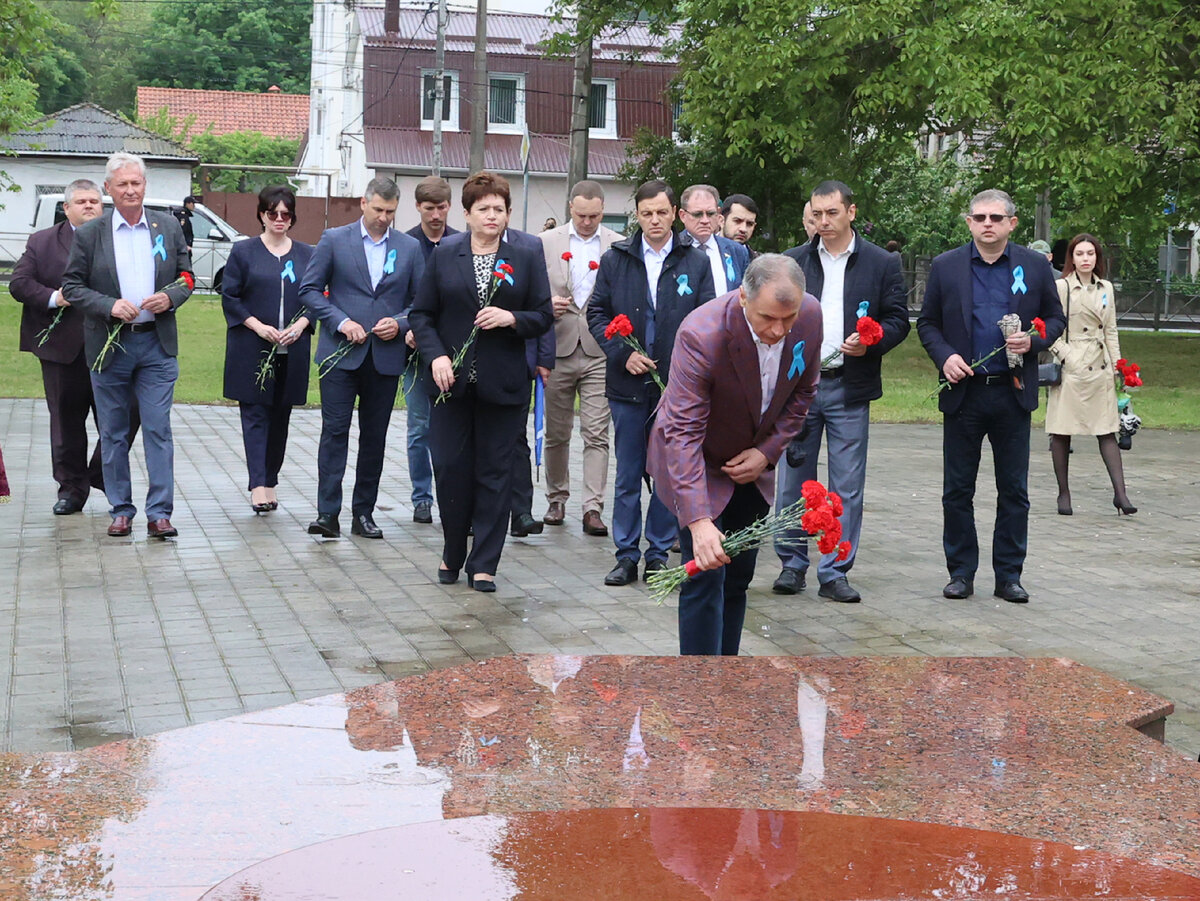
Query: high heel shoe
x: 484, y: 585
x: 262, y: 508
x: 1064, y: 506
x: 1125, y: 509
x: 448, y: 576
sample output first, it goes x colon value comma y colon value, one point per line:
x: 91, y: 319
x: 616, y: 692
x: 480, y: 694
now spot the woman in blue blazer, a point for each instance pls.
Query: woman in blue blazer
x: 260, y: 296
x: 479, y: 300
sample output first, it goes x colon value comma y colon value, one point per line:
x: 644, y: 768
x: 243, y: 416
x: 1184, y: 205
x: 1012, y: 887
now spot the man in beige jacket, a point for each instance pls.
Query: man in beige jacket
x: 573, y: 254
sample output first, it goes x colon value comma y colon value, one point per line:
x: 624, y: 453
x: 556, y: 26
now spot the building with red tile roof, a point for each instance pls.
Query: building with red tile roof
x: 272, y: 112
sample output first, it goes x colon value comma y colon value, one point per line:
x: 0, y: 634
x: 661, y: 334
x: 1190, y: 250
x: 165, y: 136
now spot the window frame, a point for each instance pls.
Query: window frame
x: 451, y: 122
x: 610, y: 110
x: 513, y: 128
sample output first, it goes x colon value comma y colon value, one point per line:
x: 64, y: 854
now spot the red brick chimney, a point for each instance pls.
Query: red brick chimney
x: 391, y: 16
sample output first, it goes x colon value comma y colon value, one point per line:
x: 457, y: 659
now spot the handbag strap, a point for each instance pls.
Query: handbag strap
x: 1067, y: 329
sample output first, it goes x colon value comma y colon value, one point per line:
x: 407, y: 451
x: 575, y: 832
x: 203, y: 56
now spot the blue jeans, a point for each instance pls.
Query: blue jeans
x: 630, y: 427
x: 138, y: 376
x: 420, y: 467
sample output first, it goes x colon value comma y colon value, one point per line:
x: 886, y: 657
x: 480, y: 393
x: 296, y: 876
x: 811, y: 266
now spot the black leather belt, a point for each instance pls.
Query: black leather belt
x: 136, y: 327
x: 992, y: 379
x: 835, y: 373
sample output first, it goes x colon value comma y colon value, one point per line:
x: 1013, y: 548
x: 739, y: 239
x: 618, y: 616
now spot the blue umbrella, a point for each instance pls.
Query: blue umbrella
x: 539, y: 421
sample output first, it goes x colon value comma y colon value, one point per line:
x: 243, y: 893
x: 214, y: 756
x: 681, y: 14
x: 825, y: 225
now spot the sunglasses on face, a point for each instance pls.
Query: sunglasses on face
x: 994, y: 218
x: 278, y: 215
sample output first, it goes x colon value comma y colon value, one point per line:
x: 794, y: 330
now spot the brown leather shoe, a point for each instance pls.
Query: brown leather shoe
x: 593, y: 525
x: 161, y: 528
x: 121, y: 526
x: 556, y: 514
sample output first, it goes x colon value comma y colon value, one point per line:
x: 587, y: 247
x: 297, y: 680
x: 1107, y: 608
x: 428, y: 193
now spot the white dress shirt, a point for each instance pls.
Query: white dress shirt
x: 715, y: 262
x: 583, y: 277
x: 133, y: 251
x: 376, y: 252
x: 833, y: 310
x: 654, y: 260
x: 770, y: 357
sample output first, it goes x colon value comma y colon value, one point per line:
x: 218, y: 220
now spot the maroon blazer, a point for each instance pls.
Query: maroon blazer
x: 710, y: 410
x: 37, y: 275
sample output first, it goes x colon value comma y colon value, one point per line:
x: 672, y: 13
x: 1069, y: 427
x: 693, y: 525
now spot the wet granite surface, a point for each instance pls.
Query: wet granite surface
x: 1045, y: 750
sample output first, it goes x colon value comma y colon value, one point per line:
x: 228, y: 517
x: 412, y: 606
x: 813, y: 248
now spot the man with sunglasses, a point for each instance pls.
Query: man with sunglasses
x: 700, y: 213
x: 969, y: 289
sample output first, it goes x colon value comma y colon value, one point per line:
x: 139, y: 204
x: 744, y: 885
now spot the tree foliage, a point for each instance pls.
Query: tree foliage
x: 248, y: 148
x: 22, y: 34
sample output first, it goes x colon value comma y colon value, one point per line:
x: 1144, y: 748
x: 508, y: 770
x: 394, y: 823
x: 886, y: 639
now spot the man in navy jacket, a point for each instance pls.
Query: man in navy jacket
x: 969, y: 289
x: 655, y: 281
x: 700, y: 213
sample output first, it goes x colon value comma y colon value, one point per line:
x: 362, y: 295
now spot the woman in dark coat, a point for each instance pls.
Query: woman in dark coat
x: 474, y: 430
x: 267, y: 345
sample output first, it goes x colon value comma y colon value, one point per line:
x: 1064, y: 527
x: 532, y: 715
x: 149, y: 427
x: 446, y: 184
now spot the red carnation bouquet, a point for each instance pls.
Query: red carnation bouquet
x: 622, y: 328
x: 869, y: 333
x: 502, y: 273
x: 1129, y: 373
x: 816, y: 513
x: 112, y: 342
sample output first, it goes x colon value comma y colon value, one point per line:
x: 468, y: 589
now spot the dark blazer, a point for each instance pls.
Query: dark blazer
x: 710, y: 411
x: 621, y: 288
x: 734, y: 256
x: 90, y: 280
x: 340, y: 264
x: 251, y: 287
x: 37, y: 275
x: 944, y: 325
x: 539, y: 351
x: 873, y: 275
x: 443, y: 315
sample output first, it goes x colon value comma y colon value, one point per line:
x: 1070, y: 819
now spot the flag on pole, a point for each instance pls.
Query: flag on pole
x: 539, y: 422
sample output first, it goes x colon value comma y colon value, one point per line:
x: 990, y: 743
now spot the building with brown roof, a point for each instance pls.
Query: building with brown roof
x: 272, y: 112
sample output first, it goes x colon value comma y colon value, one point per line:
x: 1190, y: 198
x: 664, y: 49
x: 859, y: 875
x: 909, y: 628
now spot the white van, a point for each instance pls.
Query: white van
x: 212, y: 236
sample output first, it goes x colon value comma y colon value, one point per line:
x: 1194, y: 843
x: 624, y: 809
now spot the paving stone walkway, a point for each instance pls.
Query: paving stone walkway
x: 106, y: 638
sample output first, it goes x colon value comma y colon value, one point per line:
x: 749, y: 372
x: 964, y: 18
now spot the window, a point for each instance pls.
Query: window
x: 428, y: 99
x: 676, y: 112
x: 602, y: 110
x: 506, y: 103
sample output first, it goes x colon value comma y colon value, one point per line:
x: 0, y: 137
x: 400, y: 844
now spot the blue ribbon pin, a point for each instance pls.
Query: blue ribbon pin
x: 863, y: 306
x: 159, y: 249
x: 682, y: 284
x: 1018, y: 286
x: 797, y: 367
x: 730, y: 272
x: 289, y: 272
x: 389, y: 265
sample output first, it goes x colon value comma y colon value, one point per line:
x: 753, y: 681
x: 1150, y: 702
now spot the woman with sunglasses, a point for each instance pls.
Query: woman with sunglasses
x: 267, y: 345
x: 1085, y: 402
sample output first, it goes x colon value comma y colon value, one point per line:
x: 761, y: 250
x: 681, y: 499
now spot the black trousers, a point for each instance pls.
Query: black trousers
x: 376, y: 395
x: 989, y: 411
x: 472, y: 445
x: 265, y: 430
x: 712, y: 604
x: 522, y: 474
x: 69, y: 399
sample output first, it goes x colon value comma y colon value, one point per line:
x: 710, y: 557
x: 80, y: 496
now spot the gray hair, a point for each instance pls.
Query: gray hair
x: 80, y: 184
x: 691, y: 190
x: 122, y: 160
x: 768, y: 268
x: 993, y: 195
x: 383, y: 188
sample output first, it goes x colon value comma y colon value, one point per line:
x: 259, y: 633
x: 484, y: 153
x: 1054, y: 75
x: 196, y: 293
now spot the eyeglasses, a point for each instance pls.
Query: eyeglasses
x: 703, y: 214
x: 994, y: 218
x: 278, y: 215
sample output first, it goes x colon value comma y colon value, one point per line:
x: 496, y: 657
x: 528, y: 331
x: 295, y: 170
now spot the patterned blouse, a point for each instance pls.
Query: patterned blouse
x: 485, y: 265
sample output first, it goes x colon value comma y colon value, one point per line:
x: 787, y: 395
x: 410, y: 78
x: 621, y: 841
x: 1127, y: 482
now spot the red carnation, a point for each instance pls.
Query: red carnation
x: 869, y: 331
x: 506, y: 267
x: 567, y: 255
x: 188, y: 280
x: 828, y: 542
x: 1039, y: 326
x: 843, y: 550
x: 836, y: 503
x: 1133, y: 381
x: 593, y: 265
x: 814, y: 494
x: 818, y: 519
x: 619, y: 326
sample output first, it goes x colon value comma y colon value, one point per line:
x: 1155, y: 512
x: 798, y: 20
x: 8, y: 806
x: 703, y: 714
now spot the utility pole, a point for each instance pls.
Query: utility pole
x: 581, y: 93
x: 439, y: 87
x: 479, y: 108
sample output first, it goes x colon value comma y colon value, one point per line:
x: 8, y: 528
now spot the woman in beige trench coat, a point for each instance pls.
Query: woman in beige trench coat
x: 1085, y: 403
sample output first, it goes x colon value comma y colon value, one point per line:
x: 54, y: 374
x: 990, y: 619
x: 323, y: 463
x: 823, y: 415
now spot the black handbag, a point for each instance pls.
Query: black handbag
x: 1050, y: 372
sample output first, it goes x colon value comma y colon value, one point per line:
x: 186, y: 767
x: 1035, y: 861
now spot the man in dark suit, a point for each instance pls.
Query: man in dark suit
x: 655, y: 281
x: 433, y: 205
x: 52, y: 330
x: 700, y: 213
x: 743, y: 375
x: 371, y: 272
x: 124, y: 273
x: 852, y: 277
x: 968, y: 291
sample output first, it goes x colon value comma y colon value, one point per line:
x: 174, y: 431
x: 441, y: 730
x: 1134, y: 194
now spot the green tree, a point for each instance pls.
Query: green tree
x: 248, y: 148
x: 232, y: 45
x: 22, y: 35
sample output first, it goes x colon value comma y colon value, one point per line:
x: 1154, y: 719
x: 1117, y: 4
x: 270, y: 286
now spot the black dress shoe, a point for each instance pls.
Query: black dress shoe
x: 624, y: 573
x: 447, y: 576
x: 1012, y: 592
x: 485, y: 585
x: 790, y: 581
x: 66, y: 506
x: 524, y: 524
x: 958, y: 587
x: 839, y: 590
x: 364, y: 526
x: 423, y: 512
x: 653, y: 566
x: 262, y: 508
x: 325, y: 525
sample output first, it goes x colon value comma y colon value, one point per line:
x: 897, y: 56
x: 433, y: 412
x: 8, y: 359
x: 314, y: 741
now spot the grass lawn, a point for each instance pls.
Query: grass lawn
x: 1170, y: 399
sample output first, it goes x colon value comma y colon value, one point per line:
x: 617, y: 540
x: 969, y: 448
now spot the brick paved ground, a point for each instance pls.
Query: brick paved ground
x: 103, y: 639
